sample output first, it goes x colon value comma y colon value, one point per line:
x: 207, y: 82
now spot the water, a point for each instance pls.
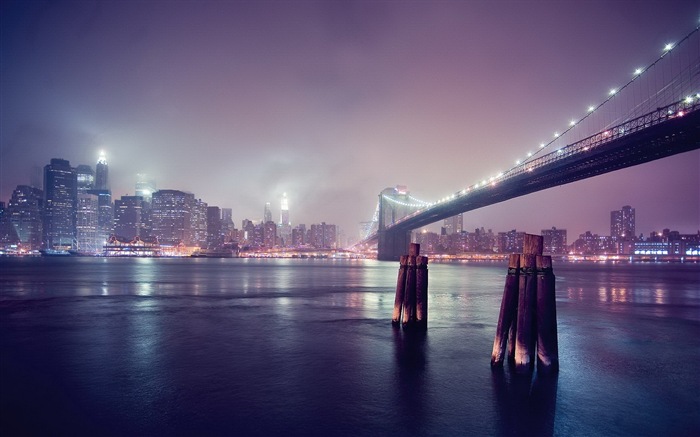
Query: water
x: 94, y: 346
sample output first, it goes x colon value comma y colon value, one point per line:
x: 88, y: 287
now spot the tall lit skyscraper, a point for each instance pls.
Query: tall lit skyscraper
x: 622, y: 223
x: 87, y: 212
x: 453, y: 225
x: 171, y: 217
x: 101, y: 182
x: 60, y: 204
x: 145, y: 187
x: 285, y: 226
x: 284, y: 210
x: 267, y: 213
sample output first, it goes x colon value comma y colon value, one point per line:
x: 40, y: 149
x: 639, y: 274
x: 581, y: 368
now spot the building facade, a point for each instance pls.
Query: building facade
x: 60, y: 205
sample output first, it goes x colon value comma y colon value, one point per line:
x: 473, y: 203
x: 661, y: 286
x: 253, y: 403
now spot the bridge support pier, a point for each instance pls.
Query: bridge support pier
x: 392, y: 244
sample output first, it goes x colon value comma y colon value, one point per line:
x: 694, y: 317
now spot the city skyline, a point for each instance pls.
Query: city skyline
x: 332, y: 103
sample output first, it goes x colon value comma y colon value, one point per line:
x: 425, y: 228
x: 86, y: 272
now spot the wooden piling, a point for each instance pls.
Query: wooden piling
x: 413, y: 249
x: 422, y: 292
x: 409, y: 301
x: 526, y: 335
x: 508, y: 313
x: 400, y: 290
x: 547, y: 344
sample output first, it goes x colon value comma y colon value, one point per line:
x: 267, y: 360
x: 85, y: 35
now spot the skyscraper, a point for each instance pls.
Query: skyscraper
x: 87, y: 212
x: 145, y: 187
x: 128, y: 217
x: 453, y: 225
x: 267, y: 213
x: 284, y: 210
x: 622, y: 223
x: 101, y: 182
x: 171, y: 217
x: 60, y: 204
x: 105, y: 214
x: 25, y: 213
x: 285, y: 226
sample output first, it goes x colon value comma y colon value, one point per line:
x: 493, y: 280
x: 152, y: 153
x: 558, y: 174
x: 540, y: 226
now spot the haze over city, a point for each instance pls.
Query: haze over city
x: 331, y: 102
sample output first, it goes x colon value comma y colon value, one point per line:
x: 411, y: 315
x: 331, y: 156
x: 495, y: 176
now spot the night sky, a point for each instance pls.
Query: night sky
x: 331, y: 102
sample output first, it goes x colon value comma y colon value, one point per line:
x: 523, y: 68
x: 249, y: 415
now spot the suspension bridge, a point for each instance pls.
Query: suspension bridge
x: 655, y: 114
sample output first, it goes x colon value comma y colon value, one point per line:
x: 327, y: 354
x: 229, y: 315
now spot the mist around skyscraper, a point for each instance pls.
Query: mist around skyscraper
x: 73, y: 212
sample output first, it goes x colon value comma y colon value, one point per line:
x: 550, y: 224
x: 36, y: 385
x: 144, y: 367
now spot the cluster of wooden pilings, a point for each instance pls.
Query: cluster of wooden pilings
x: 527, y: 322
x: 411, y: 302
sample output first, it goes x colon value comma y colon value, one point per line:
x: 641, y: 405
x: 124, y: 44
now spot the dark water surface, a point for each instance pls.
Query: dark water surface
x: 92, y: 346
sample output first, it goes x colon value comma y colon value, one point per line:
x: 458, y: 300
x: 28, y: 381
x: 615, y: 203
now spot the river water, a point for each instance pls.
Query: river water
x: 108, y: 346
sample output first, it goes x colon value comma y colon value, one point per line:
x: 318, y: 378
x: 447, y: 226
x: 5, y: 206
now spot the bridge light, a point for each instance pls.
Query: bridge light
x: 500, y: 175
x: 483, y: 183
x: 542, y: 145
x: 591, y: 108
x: 638, y: 71
x: 560, y: 151
x: 613, y: 91
x: 556, y: 134
x: 517, y: 162
x: 689, y: 99
x: 529, y: 154
x: 572, y: 123
x: 668, y: 47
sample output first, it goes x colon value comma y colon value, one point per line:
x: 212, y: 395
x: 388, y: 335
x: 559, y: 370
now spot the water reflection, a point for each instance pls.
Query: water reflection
x: 525, y: 407
x: 411, y: 364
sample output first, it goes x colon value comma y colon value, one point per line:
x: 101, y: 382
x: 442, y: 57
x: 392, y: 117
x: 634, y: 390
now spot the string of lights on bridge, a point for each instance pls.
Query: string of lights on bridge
x: 492, y: 180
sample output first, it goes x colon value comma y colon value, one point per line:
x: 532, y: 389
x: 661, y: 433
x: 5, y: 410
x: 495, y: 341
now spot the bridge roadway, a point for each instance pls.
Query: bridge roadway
x: 665, y: 132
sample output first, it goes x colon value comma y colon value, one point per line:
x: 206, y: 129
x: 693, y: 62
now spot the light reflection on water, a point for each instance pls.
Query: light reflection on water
x: 301, y: 347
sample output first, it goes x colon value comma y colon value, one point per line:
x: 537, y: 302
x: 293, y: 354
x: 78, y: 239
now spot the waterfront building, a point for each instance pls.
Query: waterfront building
x: 24, y: 212
x: 270, y: 234
x: 128, y: 217
x: 299, y: 235
x: 511, y: 241
x: 323, y: 236
x: 622, y: 223
x: 171, y: 217
x: 199, y: 222
x: 215, y: 236
x: 554, y: 241
x: 60, y: 205
x: 429, y: 241
x: 87, y: 223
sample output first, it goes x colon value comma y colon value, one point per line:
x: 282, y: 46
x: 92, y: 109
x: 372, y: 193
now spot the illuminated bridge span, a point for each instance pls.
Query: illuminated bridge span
x: 655, y: 115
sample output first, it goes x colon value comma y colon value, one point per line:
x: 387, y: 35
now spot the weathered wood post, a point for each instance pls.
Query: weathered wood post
x: 525, y: 336
x: 409, y: 301
x: 400, y: 290
x: 508, y: 313
x: 547, y: 344
x: 422, y: 292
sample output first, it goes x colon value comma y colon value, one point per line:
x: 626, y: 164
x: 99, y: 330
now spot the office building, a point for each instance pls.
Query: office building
x: 554, y: 241
x: 60, y: 205
x: 24, y: 212
x: 128, y: 217
x: 171, y: 217
x: 622, y: 223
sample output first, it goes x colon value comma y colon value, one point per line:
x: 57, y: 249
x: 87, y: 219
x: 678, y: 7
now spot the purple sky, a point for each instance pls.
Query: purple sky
x: 334, y: 101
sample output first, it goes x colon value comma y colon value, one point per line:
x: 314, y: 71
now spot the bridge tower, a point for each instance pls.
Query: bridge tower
x: 394, y: 204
